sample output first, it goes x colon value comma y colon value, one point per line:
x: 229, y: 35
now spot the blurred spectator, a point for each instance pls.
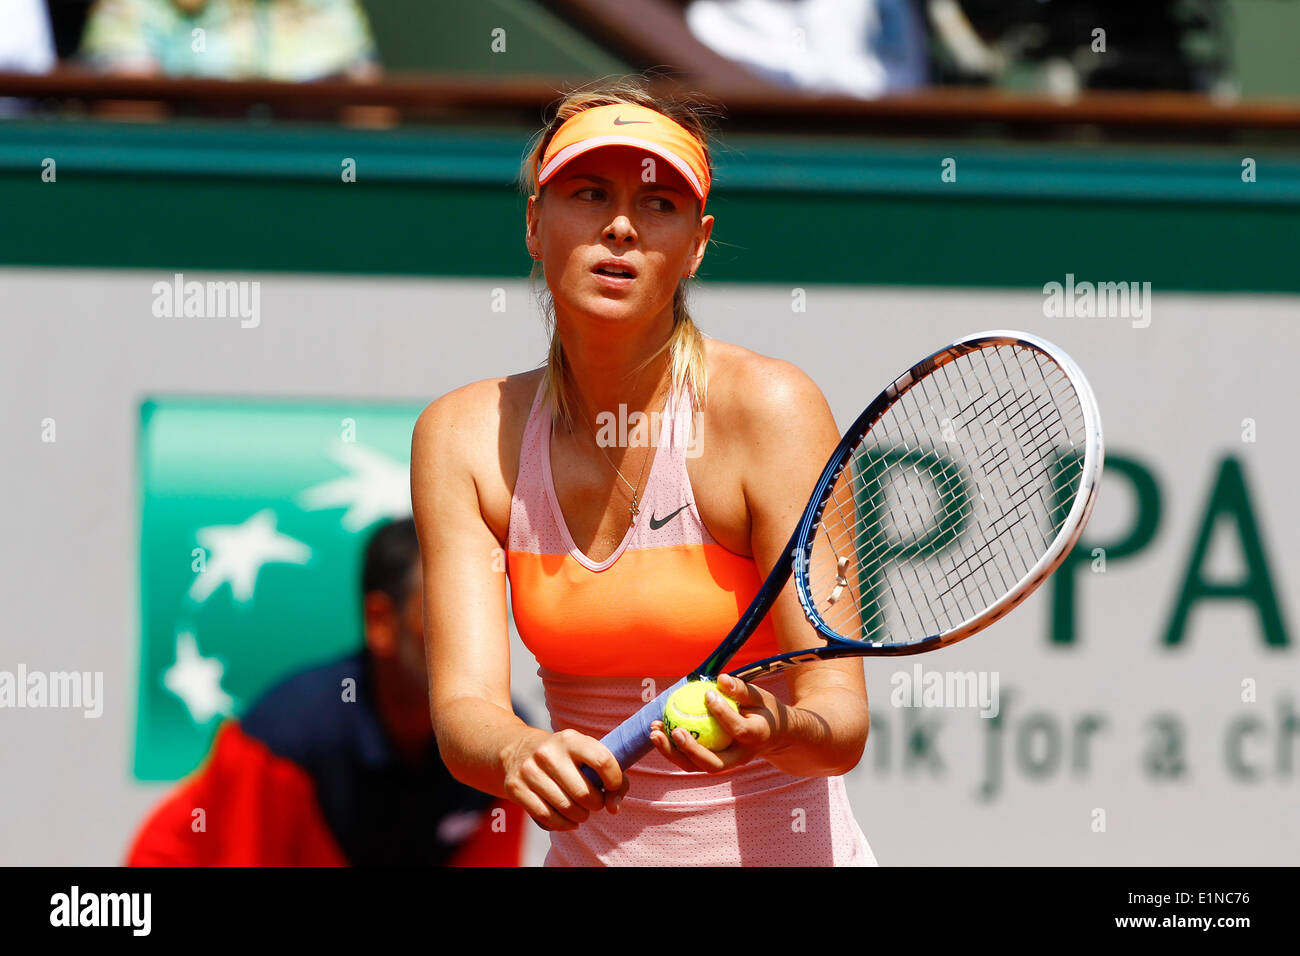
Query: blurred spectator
x: 1067, y: 46
x: 338, y: 764
x: 863, y: 48
x: 26, y: 45
x: 68, y: 23
x: 291, y: 40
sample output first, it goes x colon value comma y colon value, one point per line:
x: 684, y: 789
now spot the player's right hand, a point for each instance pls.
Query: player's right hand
x: 543, y: 774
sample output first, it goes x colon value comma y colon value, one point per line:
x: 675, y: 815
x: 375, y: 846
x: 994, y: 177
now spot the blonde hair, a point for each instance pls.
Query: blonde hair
x: 686, y: 343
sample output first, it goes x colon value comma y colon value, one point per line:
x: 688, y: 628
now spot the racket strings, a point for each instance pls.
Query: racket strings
x: 1014, y: 413
x: 980, y: 421
x: 844, y: 514
x: 954, y: 495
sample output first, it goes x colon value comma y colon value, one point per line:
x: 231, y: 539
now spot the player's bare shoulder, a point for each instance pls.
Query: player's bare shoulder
x: 471, y: 436
x: 464, y: 417
x: 756, y: 393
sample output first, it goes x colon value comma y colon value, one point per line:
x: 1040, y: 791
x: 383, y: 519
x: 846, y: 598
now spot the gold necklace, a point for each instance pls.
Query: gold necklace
x: 635, y: 507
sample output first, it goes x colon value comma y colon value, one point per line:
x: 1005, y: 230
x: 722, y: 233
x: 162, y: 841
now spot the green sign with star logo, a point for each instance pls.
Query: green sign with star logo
x: 254, y: 516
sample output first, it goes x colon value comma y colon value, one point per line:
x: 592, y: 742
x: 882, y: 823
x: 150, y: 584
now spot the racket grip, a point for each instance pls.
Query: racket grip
x: 630, y: 740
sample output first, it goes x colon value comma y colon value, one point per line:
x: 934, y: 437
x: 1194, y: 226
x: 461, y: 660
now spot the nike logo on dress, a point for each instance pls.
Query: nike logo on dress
x: 657, y: 523
x: 623, y: 122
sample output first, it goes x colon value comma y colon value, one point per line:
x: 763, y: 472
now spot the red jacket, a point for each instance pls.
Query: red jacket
x: 299, y: 782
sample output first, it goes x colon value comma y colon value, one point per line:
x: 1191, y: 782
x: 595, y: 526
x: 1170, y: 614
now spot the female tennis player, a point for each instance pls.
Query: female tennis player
x: 640, y: 486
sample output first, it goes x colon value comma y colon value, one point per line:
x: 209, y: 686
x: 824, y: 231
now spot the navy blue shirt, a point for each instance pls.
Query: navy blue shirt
x: 381, y: 810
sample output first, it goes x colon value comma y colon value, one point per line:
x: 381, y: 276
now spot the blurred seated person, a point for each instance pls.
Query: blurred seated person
x: 290, y: 40
x: 26, y: 45
x: 861, y: 48
x: 338, y: 764
x: 283, y: 40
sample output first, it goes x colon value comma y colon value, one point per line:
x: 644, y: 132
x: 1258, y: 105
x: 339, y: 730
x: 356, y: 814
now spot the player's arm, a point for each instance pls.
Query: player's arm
x: 482, y: 741
x: 793, y: 434
x: 787, y: 434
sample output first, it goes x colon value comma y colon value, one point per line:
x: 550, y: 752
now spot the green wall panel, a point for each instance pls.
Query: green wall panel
x: 443, y: 202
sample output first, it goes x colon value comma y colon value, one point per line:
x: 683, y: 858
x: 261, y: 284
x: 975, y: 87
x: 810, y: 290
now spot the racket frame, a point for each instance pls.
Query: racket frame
x: 801, y: 542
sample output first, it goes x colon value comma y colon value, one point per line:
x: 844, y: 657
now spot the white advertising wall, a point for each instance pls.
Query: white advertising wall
x: 1148, y: 697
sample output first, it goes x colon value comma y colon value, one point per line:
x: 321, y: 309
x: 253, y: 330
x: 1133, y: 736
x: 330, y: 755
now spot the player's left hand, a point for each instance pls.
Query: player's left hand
x: 757, y: 729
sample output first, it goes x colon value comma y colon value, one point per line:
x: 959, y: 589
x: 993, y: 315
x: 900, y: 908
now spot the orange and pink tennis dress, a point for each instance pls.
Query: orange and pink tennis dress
x: 609, y: 635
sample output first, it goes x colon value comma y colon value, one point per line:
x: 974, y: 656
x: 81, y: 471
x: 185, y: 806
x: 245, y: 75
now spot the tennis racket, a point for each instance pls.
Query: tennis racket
x: 948, y: 502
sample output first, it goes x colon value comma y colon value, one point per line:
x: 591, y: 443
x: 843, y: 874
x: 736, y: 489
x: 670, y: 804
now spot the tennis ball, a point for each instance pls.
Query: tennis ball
x: 686, y: 709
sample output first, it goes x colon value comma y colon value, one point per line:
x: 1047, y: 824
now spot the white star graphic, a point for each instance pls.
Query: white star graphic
x: 376, y: 487
x: 237, y: 552
x: 196, y: 680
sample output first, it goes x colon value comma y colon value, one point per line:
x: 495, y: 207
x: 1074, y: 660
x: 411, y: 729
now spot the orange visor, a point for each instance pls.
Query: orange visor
x: 622, y: 125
